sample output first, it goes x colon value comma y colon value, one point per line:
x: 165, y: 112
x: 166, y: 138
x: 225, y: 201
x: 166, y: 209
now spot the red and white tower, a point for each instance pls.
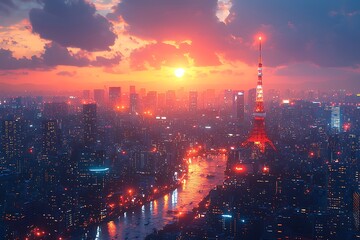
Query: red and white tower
x: 258, y: 136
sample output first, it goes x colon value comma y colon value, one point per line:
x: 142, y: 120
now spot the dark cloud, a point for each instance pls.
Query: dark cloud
x: 6, y: 6
x: 73, y: 23
x: 323, y: 32
x: 54, y: 55
x: 13, y: 11
x: 8, y: 62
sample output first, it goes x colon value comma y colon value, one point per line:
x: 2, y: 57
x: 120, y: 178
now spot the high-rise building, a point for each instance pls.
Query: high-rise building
x: 89, y: 121
x: 13, y: 142
x: 337, y: 187
x: 132, y: 90
x: 51, y: 138
x: 209, y: 99
x: 239, y: 105
x: 170, y: 100
x: 250, y: 100
x: 228, y: 99
x: 150, y: 101
x: 193, y: 101
x: 335, y: 119
x: 114, y: 96
x: 258, y: 136
x: 134, y: 103
x: 338, y: 199
x: 99, y: 96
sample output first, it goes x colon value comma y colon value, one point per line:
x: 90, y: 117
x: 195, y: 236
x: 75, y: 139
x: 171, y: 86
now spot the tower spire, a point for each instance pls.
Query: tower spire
x: 260, y: 57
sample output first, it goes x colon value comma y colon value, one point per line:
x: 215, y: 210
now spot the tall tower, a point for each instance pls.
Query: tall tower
x: 258, y: 136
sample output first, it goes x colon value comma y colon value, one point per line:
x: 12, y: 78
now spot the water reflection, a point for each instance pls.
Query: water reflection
x: 141, y: 222
x: 111, y: 226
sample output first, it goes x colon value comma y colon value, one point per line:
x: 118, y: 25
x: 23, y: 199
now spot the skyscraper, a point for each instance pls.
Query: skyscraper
x: 335, y: 119
x: 239, y: 105
x: 150, y: 101
x: 99, y: 96
x: 114, y: 96
x: 134, y: 103
x: 13, y: 142
x: 132, y: 90
x: 193, y: 101
x: 51, y: 138
x: 228, y: 99
x: 89, y: 121
x: 170, y: 100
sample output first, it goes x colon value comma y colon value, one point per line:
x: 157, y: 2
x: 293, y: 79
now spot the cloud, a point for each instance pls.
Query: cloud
x: 323, y: 32
x: 6, y: 6
x: 157, y: 54
x: 177, y: 21
x: 73, y: 23
x: 66, y: 73
x: 8, y: 62
x: 54, y: 55
x: 103, y: 61
x: 13, y: 11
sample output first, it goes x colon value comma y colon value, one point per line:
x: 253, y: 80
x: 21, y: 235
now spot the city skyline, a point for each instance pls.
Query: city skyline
x: 73, y: 45
x: 151, y: 119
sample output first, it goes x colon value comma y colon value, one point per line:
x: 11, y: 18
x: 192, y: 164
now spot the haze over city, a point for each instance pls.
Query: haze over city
x: 57, y: 45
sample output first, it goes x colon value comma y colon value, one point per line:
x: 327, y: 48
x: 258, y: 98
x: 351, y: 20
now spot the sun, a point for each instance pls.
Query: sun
x: 179, y: 72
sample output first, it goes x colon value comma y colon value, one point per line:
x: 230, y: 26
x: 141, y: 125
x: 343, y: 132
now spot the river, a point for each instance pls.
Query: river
x: 142, y: 221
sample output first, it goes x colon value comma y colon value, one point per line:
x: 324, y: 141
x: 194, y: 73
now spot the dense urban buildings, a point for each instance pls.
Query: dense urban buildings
x: 66, y: 161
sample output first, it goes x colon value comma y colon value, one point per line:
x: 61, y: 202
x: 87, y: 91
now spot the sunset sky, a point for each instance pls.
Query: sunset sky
x: 80, y: 44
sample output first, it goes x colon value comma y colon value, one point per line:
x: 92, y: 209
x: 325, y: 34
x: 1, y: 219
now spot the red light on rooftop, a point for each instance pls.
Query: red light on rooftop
x: 346, y: 127
x: 239, y: 168
x: 266, y: 169
x: 260, y: 38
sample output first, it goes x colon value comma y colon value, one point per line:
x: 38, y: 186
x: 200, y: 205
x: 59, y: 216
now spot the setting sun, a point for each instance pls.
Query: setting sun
x: 179, y: 72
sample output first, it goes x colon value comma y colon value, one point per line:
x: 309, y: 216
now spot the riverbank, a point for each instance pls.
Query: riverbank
x: 184, y: 219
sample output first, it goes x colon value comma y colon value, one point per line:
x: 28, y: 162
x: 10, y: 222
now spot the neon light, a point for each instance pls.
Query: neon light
x: 98, y: 169
x: 226, y: 216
